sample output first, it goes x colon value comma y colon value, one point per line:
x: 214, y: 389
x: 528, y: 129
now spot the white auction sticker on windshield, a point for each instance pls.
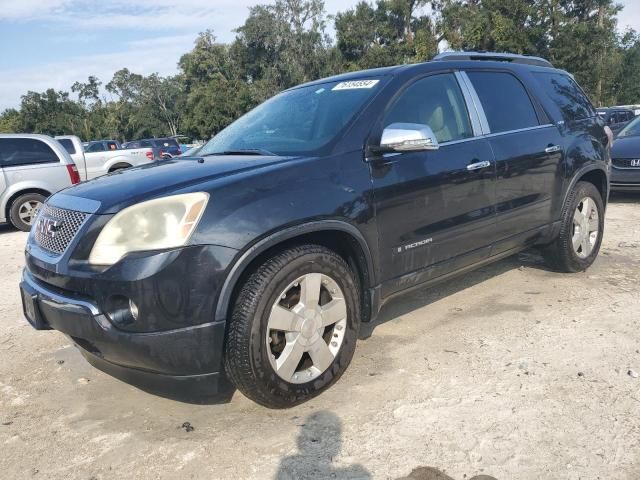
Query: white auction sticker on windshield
x: 355, y: 84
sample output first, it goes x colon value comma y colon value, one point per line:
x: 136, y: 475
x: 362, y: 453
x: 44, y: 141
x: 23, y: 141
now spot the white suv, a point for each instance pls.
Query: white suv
x: 32, y: 167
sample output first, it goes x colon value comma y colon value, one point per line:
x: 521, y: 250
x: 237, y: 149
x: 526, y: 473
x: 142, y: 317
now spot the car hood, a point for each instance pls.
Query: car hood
x: 626, y: 147
x: 115, y: 191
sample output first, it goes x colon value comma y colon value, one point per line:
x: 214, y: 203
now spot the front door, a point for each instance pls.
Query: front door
x: 435, y: 209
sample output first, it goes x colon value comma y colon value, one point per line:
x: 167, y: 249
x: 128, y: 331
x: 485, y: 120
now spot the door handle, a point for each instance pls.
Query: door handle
x: 552, y: 149
x: 478, y: 165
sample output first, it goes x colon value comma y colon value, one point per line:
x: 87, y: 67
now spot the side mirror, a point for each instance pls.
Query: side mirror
x: 408, y: 137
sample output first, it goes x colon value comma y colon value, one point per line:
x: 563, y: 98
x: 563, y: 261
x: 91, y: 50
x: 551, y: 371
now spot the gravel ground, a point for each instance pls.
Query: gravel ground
x: 511, y: 372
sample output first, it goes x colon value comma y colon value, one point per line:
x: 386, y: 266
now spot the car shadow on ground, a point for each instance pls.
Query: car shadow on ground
x: 427, y: 295
x: 7, y: 228
x: 320, y: 441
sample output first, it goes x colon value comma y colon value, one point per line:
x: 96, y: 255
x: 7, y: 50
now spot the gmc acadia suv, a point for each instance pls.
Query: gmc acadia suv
x: 257, y: 260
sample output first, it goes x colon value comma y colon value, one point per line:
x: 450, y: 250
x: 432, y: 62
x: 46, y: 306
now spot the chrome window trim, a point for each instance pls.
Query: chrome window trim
x: 477, y: 104
x: 518, y: 130
x: 471, y: 105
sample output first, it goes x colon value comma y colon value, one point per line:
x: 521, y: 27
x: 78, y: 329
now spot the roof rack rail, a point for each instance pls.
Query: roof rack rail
x: 492, y: 56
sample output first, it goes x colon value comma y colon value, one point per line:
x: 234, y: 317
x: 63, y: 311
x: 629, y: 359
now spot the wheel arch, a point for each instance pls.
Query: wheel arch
x: 594, y: 174
x: 118, y: 165
x: 341, y: 237
x: 23, y: 191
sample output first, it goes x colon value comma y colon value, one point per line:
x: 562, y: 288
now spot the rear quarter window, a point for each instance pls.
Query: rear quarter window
x: 567, y: 95
x: 68, y: 145
x: 25, y: 151
x: 505, y: 101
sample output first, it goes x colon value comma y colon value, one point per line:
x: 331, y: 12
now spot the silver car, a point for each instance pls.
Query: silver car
x: 32, y: 167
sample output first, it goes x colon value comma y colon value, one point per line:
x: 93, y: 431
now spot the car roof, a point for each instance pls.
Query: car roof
x: 461, y: 60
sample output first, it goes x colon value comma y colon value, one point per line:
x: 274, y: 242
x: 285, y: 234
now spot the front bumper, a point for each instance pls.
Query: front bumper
x: 625, y: 179
x: 175, y: 345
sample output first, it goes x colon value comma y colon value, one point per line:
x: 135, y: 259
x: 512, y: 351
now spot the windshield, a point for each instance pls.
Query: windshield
x: 631, y: 130
x: 299, y: 121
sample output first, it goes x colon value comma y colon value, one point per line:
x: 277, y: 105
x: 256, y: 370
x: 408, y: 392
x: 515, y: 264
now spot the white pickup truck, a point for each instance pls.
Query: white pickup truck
x: 102, y: 157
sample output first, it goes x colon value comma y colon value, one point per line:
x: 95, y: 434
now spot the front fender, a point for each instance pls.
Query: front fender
x: 251, y: 253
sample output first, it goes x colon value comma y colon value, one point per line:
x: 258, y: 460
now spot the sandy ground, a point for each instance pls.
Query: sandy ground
x: 512, y: 372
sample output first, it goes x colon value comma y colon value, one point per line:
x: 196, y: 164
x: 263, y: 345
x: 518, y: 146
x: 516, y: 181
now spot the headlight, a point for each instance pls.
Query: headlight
x: 154, y: 225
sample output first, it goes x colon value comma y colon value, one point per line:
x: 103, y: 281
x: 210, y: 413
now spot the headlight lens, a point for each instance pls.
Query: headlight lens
x: 154, y: 225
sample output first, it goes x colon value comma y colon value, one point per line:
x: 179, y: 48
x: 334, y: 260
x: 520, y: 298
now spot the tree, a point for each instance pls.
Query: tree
x: 10, y: 121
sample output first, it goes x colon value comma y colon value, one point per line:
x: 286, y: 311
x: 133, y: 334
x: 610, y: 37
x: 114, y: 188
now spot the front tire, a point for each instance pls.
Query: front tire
x: 294, y: 327
x: 582, y: 226
x: 23, y: 210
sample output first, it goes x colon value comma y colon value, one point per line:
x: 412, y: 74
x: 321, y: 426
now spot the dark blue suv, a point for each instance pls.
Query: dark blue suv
x: 257, y: 260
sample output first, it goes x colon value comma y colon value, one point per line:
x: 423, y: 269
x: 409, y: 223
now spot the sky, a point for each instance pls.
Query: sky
x: 53, y: 43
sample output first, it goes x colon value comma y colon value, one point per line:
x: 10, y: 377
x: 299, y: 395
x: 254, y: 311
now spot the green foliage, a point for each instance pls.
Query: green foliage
x: 285, y: 43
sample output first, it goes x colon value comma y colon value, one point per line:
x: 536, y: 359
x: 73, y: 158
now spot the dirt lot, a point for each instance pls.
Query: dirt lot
x: 512, y: 372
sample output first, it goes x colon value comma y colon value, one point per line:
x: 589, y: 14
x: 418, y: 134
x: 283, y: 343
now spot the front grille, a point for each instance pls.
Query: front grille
x: 55, y: 228
x: 626, y: 163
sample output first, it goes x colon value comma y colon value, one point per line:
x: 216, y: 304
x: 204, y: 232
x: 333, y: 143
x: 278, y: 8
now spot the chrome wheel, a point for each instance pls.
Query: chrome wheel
x: 28, y: 210
x: 306, y: 328
x: 586, y: 227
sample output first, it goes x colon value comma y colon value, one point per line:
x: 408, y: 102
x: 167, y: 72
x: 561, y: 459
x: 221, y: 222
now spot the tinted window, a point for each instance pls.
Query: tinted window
x: 505, y: 101
x: 435, y: 101
x: 95, y: 147
x: 68, y: 145
x: 567, y: 95
x: 25, y: 151
x: 112, y: 146
x: 631, y: 130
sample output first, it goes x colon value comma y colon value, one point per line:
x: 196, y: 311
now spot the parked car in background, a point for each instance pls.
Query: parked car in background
x: 616, y: 118
x: 625, y: 174
x: 193, y: 151
x: 102, y: 157
x: 162, y: 147
x: 259, y: 259
x: 32, y: 167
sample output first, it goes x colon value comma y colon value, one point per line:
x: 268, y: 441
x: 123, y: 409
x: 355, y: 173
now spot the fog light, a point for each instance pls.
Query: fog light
x: 133, y: 308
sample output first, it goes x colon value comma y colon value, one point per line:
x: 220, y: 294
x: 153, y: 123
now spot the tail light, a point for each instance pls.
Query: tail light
x: 73, y: 174
x: 161, y: 154
x: 149, y: 155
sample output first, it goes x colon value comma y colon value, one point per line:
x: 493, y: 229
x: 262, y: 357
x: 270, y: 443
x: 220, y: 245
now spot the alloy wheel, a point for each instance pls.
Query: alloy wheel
x: 306, y: 328
x: 28, y: 211
x: 586, y: 227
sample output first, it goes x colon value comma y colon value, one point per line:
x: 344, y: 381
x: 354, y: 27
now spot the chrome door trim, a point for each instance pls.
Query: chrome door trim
x: 471, y: 104
x: 484, y: 124
x: 518, y: 130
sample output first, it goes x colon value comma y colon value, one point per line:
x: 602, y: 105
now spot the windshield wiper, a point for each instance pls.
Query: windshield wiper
x: 257, y: 151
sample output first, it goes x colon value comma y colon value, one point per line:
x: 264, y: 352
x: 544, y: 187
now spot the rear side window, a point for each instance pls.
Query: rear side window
x: 435, y: 101
x: 567, y: 95
x: 505, y: 101
x: 68, y: 145
x: 112, y: 146
x: 95, y: 147
x: 25, y: 151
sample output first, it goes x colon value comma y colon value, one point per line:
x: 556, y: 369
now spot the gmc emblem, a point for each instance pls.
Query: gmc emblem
x: 635, y: 162
x: 49, y: 227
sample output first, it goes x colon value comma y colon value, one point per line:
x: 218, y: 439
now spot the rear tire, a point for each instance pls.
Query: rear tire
x: 582, y: 226
x: 294, y: 327
x: 23, y: 210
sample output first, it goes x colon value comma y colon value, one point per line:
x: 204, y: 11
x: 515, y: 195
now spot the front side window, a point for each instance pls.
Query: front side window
x: 436, y: 101
x: 25, y: 151
x: 568, y: 96
x: 505, y: 101
x: 299, y: 121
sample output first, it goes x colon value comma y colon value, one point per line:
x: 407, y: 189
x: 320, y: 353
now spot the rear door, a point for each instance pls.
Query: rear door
x: 434, y: 209
x: 528, y: 153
